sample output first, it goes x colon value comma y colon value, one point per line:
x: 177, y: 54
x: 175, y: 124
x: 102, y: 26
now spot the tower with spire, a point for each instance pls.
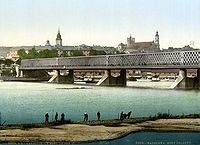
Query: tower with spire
x: 157, y: 40
x: 58, y: 39
x: 130, y: 41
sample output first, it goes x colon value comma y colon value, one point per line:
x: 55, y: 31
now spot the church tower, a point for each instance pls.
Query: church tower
x: 59, y: 39
x: 157, y: 40
x: 130, y: 41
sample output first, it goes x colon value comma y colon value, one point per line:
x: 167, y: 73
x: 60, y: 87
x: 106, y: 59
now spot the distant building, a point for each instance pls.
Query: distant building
x: 150, y: 46
x: 130, y: 41
x: 58, y: 39
x: 122, y: 47
x: 47, y: 43
x: 11, y: 52
x: 136, y: 47
x: 4, y: 51
x: 157, y: 40
x: 185, y: 48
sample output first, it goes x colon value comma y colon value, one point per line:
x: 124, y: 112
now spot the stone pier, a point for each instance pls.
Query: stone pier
x: 109, y: 80
x: 40, y: 75
x: 66, y: 78
x: 188, y: 82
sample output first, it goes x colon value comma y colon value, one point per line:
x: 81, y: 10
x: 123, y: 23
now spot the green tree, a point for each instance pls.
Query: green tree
x: 22, y: 54
x: 18, y: 61
x: 76, y: 53
x: 44, y: 54
x: 54, y: 53
x: 8, y: 62
x: 32, y: 53
x: 95, y: 52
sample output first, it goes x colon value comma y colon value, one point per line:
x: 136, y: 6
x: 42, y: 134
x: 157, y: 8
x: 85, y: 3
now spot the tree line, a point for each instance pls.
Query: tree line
x: 33, y: 53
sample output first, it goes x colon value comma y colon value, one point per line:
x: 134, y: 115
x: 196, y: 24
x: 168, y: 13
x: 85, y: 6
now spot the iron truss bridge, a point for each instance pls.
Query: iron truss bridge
x: 157, y: 60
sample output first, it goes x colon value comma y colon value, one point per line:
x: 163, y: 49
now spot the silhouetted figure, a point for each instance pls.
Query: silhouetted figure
x: 129, y: 114
x: 98, y: 115
x: 125, y: 115
x: 46, y: 117
x: 62, y: 119
x: 122, y: 116
x: 56, y: 117
x: 85, y: 116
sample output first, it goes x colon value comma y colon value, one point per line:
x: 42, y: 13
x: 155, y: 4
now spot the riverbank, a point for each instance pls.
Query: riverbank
x: 151, y: 85
x: 94, y: 130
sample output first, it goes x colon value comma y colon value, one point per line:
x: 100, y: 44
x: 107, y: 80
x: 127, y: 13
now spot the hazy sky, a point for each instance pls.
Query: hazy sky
x: 99, y: 22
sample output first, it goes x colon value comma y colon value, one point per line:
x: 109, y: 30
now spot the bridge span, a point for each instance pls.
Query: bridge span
x: 165, y: 60
x: 159, y: 60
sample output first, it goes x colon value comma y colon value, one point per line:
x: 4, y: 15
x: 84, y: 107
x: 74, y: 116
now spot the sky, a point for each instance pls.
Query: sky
x: 99, y: 22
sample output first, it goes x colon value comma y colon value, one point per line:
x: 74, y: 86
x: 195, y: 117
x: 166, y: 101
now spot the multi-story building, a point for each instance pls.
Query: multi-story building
x: 12, y: 52
x: 135, y: 47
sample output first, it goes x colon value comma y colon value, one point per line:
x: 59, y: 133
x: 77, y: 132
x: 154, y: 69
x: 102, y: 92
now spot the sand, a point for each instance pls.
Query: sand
x: 152, y: 85
x: 73, y: 133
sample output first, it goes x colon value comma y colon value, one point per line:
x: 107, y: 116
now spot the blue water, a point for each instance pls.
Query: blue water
x: 150, y: 138
x: 28, y: 102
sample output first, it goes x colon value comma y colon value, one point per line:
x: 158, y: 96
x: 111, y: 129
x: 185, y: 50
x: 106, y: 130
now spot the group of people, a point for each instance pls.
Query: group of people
x: 124, y: 115
x: 85, y: 116
x: 62, y: 117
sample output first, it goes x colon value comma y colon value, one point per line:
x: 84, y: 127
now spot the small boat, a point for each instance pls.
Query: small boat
x: 144, y: 80
x: 155, y: 79
x: 88, y: 80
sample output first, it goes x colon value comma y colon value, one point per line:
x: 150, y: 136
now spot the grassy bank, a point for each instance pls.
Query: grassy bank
x: 108, y: 123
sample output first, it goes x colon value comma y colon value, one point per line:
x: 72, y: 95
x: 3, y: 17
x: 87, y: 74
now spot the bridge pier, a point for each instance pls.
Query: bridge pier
x: 187, y: 82
x: 109, y: 80
x: 40, y: 75
x: 65, y: 79
x: 198, y: 77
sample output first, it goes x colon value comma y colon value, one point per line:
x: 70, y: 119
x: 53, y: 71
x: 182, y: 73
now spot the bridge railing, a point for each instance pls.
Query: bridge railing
x: 47, y: 62
x: 82, y: 61
x: 175, y: 58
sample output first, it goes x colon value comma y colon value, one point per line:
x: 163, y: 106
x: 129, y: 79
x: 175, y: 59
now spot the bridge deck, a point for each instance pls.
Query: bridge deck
x: 158, y: 60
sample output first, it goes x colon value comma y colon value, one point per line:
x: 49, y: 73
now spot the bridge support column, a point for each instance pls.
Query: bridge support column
x: 65, y: 79
x: 182, y: 78
x: 20, y: 73
x: 198, y: 77
x: 187, y: 82
x: 40, y: 75
x: 109, y: 80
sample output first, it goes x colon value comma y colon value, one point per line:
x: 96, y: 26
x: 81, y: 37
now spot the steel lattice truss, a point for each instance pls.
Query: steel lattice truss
x: 175, y: 59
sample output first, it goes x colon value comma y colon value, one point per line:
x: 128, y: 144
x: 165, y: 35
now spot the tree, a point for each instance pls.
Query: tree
x: 95, y: 52
x: 22, y: 53
x: 8, y: 62
x: 76, y: 53
x: 32, y: 53
x: 44, y: 54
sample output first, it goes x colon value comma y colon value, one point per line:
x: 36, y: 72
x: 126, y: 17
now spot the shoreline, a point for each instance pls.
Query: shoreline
x: 94, y: 131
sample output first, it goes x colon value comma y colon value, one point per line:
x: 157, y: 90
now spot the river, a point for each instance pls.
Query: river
x: 28, y: 102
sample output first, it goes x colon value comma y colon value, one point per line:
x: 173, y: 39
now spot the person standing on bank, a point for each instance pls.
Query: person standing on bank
x: 85, y: 116
x: 98, y: 115
x: 47, y: 118
x: 56, y: 117
x: 62, y: 117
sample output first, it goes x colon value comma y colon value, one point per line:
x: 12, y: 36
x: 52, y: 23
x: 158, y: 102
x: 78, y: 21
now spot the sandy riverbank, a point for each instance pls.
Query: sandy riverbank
x: 154, y: 85
x: 84, y: 133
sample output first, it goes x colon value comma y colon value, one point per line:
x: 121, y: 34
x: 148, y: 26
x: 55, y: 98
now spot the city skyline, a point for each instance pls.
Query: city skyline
x: 99, y: 22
